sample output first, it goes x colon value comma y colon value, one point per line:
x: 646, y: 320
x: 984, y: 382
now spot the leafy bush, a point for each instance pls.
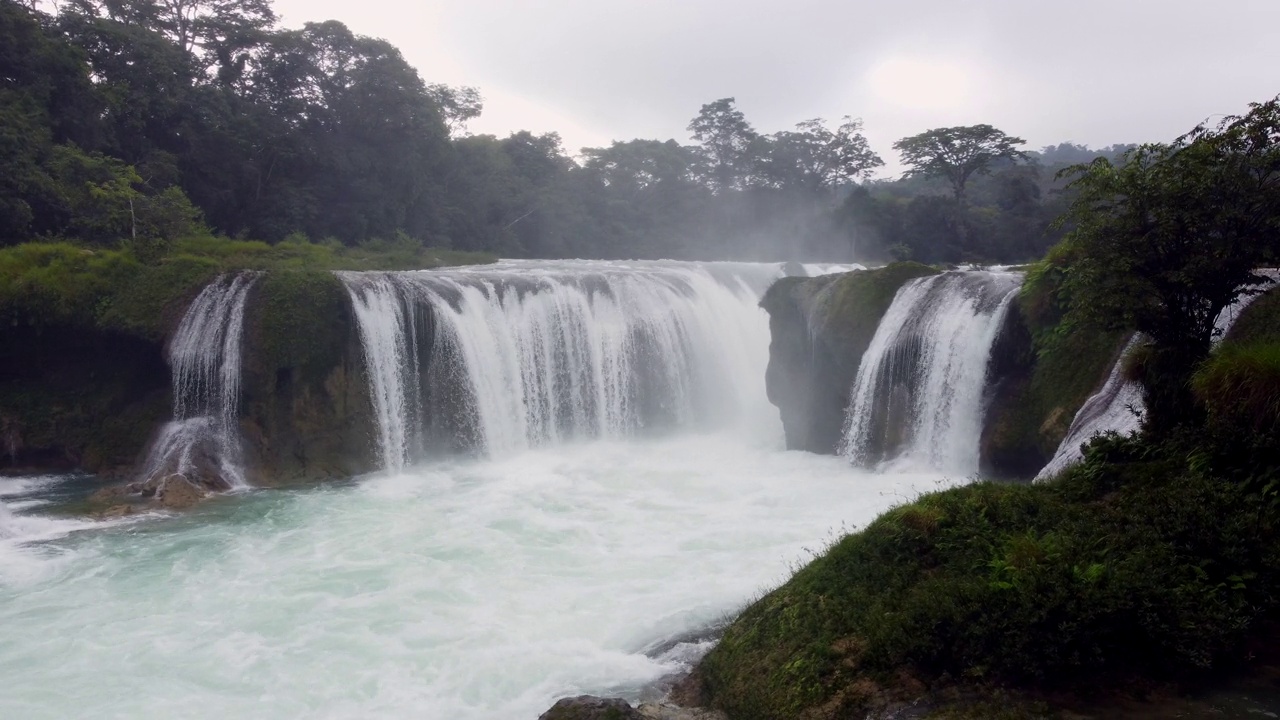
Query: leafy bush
x: 1131, y: 564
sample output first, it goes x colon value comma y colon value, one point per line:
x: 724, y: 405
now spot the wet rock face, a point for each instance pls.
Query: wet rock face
x: 819, y: 328
x: 305, y: 412
x: 589, y: 707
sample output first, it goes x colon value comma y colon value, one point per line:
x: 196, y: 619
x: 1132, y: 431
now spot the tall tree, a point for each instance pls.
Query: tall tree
x: 457, y: 105
x: 1167, y: 239
x: 814, y: 157
x: 725, y: 137
x: 956, y: 154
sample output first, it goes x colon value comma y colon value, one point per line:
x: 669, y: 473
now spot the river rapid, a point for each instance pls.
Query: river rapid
x: 465, y: 589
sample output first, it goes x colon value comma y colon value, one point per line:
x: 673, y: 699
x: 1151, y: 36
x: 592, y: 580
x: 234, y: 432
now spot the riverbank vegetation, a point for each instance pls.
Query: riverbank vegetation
x: 140, y: 124
x: 1152, y: 564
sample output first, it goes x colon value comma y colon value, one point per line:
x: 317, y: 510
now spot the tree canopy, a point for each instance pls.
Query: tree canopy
x: 1166, y: 238
x: 267, y: 132
x: 958, y: 153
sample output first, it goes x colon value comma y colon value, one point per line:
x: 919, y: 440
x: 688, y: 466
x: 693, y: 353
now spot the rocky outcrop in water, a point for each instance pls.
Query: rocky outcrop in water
x: 589, y: 707
x: 305, y: 410
x: 820, y: 328
x: 75, y: 396
x: 78, y: 398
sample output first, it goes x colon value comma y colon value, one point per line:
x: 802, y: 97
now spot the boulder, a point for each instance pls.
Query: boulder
x: 589, y: 707
x: 667, y: 711
x: 177, y: 493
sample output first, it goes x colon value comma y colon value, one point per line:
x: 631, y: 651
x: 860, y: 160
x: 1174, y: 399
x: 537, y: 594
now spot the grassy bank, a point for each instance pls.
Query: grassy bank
x: 62, y: 284
x: 1150, y: 566
x: 1133, y: 567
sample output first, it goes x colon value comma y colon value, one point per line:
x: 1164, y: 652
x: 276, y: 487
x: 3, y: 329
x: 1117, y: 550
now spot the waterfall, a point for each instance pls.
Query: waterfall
x: 918, y: 396
x: 202, y: 442
x: 496, y: 359
x: 1118, y: 406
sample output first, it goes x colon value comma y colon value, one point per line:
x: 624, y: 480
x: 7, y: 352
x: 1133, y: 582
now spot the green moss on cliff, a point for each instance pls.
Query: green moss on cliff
x: 1058, y: 368
x: 1133, y: 565
x: 302, y: 320
x: 820, y: 327
x: 851, y: 309
x: 307, y: 413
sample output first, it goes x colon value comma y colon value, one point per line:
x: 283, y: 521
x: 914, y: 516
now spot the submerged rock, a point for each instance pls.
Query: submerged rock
x: 667, y: 711
x: 589, y: 707
x: 114, y: 512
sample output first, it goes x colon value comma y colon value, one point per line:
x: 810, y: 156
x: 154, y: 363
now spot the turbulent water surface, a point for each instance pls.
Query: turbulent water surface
x: 616, y: 484
x: 476, y: 589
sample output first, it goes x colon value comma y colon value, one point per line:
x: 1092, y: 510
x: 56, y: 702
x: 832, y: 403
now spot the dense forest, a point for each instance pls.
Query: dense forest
x: 143, y: 121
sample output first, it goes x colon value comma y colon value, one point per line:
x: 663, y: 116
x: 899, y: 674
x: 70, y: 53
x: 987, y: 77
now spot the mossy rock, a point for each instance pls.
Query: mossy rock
x: 75, y: 398
x: 820, y: 328
x: 1042, y: 372
x: 306, y: 412
x: 1259, y: 323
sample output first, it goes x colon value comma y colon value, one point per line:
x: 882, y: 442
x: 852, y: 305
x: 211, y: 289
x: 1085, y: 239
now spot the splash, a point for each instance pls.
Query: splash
x: 918, y: 396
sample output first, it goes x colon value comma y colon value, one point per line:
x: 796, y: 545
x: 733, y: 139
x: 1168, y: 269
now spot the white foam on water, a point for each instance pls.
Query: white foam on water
x: 459, y: 590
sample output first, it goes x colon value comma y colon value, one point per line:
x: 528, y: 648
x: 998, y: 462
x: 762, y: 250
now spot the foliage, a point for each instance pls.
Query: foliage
x: 271, y: 131
x: 725, y: 137
x: 1167, y: 239
x: 956, y: 154
x: 1240, y: 384
x: 1260, y: 322
x: 815, y: 158
x: 1134, y: 563
x: 61, y: 284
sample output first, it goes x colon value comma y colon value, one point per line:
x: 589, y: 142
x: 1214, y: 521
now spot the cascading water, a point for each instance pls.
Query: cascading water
x: 464, y: 588
x: 918, y: 396
x: 202, y: 442
x: 502, y: 358
x: 1118, y: 406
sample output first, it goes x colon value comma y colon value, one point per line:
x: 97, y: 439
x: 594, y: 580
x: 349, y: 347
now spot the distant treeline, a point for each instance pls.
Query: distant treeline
x: 144, y: 120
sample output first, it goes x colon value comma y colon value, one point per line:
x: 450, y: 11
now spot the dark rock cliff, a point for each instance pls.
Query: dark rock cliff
x: 820, y: 328
x: 305, y: 412
x: 83, y: 395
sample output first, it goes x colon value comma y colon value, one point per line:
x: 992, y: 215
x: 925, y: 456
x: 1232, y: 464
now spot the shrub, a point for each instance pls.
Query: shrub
x: 1131, y: 564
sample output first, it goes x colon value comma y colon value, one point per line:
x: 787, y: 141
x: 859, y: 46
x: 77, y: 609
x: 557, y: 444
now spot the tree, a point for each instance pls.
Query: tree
x: 815, y: 158
x: 955, y: 154
x: 213, y: 32
x: 725, y: 137
x: 1168, y: 238
x: 457, y: 106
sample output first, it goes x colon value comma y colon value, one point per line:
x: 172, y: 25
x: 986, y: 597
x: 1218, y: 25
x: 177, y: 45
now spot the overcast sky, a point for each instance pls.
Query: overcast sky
x: 1090, y: 71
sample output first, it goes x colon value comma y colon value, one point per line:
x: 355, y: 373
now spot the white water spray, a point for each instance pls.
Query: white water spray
x: 499, y: 359
x: 918, y: 397
x: 203, y: 438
